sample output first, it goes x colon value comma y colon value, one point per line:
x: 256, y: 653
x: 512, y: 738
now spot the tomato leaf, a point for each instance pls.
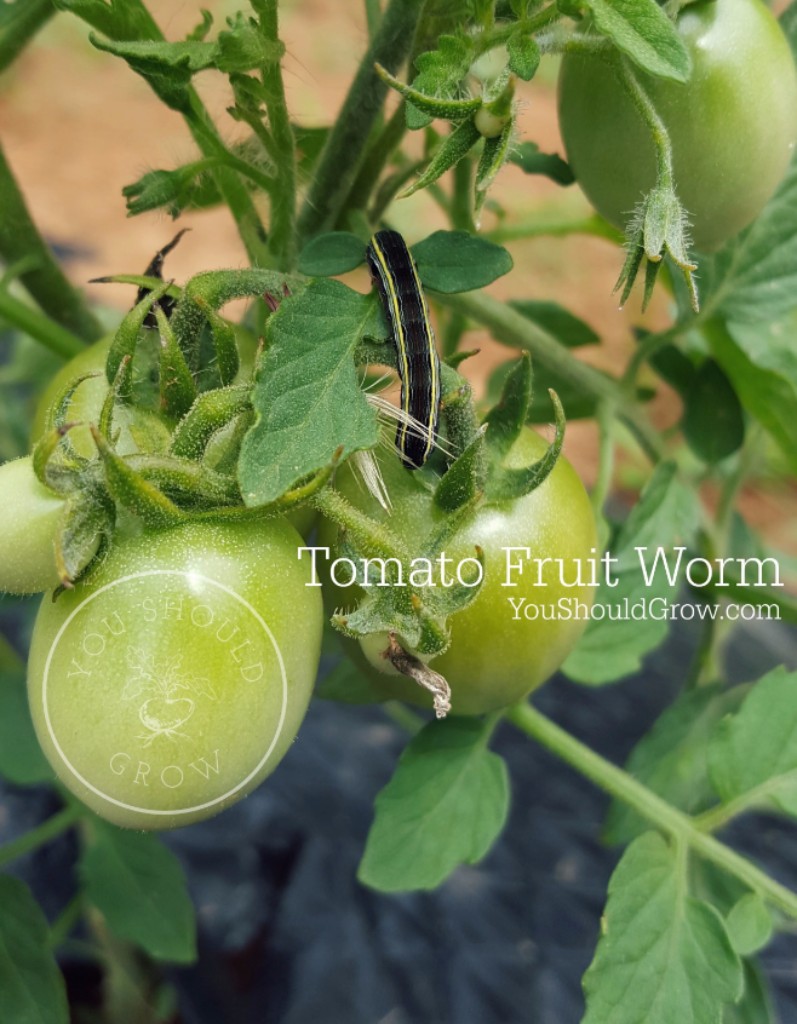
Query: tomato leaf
x: 753, y: 279
x: 21, y: 759
x: 528, y: 158
x: 755, y: 1006
x: 307, y: 396
x: 643, y: 32
x: 667, y: 513
x: 754, y: 753
x: 713, y: 420
x: 140, y: 888
x: 333, y: 253
x: 440, y: 72
x: 455, y: 261
x: 32, y: 986
x: 663, y: 956
x: 116, y: 19
x: 749, y: 924
x: 761, y: 364
x: 524, y: 55
x: 565, y: 326
x: 347, y: 684
x: 445, y: 805
x: 672, y: 759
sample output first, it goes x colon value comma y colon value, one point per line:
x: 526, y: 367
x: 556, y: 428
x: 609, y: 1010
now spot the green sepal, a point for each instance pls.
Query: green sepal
x: 125, y: 341
x: 507, y: 418
x: 86, y: 526
x: 450, y: 109
x: 56, y: 468
x: 454, y: 147
x: 464, y: 479
x: 211, y: 411
x: 117, y: 392
x: 495, y: 153
x: 504, y: 484
x: 440, y: 72
x: 177, y: 387
x: 184, y: 480
x: 212, y: 290
x: 57, y: 430
x: 130, y: 490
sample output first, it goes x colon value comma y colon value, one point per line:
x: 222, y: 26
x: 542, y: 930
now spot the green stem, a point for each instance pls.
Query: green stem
x: 511, y: 328
x: 21, y: 23
x: 649, y: 114
x: 44, y: 833
x: 40, y: 327
x: 529, y: 26
x: 555, y: 227
x: 342, y: 155
x: 283, y: 197
x: 374, y: 162
x: 658, y: 812
x: 461, y: 198
x: 20, y: 240
x: 649, y: 346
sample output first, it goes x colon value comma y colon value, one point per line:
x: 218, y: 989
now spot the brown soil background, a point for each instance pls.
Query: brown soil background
x: 78, y: 125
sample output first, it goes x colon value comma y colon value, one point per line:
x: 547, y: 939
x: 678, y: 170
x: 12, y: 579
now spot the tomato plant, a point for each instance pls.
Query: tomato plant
x: 171, y: 684
x: 148, y: 482
x: 732, y: 125
x: 500, y: 650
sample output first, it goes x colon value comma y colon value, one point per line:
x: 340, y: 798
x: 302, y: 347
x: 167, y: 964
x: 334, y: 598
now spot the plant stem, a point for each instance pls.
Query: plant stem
x: 461, y: 198
x: 44, y: 833
x: 646, y: 107
x: 63, y: 925
x: 40, y: 327
x: 511, y: 328
x: 655, y: 810
x: 21, y: 24
x: 377, y: 155
x: 20, y: 240
x: 343, y: 153
x: 378, y: 539
x: 555, y: 227
x: 283, y: 197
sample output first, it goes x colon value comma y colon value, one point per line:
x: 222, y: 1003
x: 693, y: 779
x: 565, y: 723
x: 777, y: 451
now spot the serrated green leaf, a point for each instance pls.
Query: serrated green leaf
x: 117, y: 19
x: 749, y: 925
x: 456, y: 261
x: 713, y: 421
x: 21, y: 759
x: 761, y: 363
x: 672, y: 759
x: 753, y: 279
x: 643, y: 32
x: 334, y: 253
x: 168, y: 67
x: 140, y: 888
x: 753, y: 755
x: 663, y: 956
x: 243, y: 47
x: 528, y: 158
x: 32, y: 987
x: 755, y: 1006
x: 524, y: 55
x: 445, y: 805
x: 307, y: 397
x: 641, y: 583
x: 439, y: 73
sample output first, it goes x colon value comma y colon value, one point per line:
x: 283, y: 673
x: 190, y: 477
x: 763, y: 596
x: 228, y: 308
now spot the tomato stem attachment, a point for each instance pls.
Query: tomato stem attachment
x: 408, y: 665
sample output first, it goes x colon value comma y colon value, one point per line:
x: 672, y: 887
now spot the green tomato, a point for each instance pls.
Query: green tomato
x: 172, y: 682
x: 733, y: 125
x: 497, y: 654
x: 30, y: 515
x: 138, y: 428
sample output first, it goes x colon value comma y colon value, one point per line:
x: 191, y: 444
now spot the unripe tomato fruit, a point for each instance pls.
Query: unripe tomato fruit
x: 30, y: 515
x: 494, y: 658
x: 733, y: 125
x: 173, y: 681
